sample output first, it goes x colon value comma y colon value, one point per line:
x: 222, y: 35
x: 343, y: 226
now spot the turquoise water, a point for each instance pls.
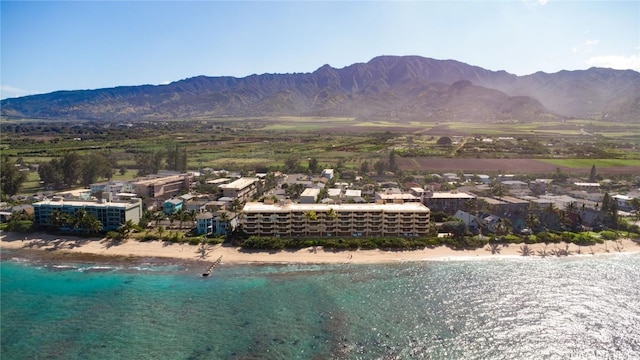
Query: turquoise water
x: 555, y: 308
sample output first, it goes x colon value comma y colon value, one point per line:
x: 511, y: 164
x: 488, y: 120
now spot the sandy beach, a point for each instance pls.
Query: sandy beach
x: 318, y: 255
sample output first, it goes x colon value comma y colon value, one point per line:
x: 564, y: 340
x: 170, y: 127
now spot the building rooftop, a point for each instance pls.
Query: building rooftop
x: 451, y: 195
x: 310, y: 192
x: 78, y: 203
x: 395, y: 196
x: 288, y: 207
x: 240, y: 183
x: 161, y: 180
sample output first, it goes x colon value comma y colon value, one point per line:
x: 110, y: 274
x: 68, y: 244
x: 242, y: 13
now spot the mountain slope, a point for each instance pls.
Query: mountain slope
x: 399, y: 88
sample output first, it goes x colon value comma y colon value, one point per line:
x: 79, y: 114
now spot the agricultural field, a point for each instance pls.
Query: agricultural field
x: 262, y: 144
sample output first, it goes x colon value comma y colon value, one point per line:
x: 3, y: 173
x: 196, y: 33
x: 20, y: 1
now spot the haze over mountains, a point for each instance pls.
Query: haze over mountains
x: 393, y: 88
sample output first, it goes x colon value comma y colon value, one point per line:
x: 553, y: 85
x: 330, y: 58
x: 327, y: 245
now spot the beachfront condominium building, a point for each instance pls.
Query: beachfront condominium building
x: 162, y: 187
x: 447, y: 201
x: 111, y: 214
x: 305, y: 220
x: 242, y: 189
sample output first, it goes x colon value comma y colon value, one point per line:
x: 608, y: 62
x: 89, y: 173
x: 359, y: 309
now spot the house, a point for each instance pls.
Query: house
x: 591, y: 218
x: 204, y: 223
x: 328, y: 173
x: 514, y: 205
x: 309, y: 196
x: 469, y: 220
x: 623, y: 201
x: 172, y: 206
x: 490, y: 221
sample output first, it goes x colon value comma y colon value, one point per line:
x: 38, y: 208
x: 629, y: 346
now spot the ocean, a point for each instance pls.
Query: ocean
x: 580, y: 307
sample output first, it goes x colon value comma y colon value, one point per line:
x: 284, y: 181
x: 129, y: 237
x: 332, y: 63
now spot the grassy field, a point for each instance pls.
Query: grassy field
x: 599, y: 163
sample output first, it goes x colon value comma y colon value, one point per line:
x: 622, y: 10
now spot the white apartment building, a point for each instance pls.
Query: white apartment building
x: 243, y: 188
x: 325, y: 220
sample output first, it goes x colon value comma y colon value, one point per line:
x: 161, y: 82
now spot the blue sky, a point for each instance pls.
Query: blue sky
x: 55, y: 45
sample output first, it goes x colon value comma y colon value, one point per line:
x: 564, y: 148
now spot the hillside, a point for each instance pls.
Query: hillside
x: 406, y: 88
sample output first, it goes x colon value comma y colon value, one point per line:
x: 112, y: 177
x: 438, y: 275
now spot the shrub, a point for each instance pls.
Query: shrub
x: 149, y: 237
x: 114, y: 235
x: 584, y: 239
x: 513, y: 239
x: 22, y: 226
x: 608, y: 235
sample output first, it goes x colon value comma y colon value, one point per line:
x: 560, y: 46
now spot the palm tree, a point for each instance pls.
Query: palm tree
x: 94, y: 226
x: 80, y: 218
x: 126, y: 229
x: 235, y: 205
x: 532, y: 221
x: 571, y: 206
x: 158, y: 216
x: 332, y: 215
x: 471, y: 206
x: 224, y: 218
x: 309, y: 216
x: 172, y: 218
x: 57, y: 219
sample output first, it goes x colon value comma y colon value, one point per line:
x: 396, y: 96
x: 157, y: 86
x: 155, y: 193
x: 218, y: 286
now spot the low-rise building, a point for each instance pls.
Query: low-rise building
x: 112, y: 215
x: 393, y: 197
x: 447, y: 201
x: 172, y: 206
x: 162, y: 187
x: 309, y: 196
x: 242, y: 189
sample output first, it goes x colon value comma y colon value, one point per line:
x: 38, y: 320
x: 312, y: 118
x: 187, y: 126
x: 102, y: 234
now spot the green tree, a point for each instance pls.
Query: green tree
x: 380, y: 166
x: 96, y: 165
x: 496, y: 188
x: 392, y: 161
x: 291, y: 165
x: 71, y: 168
x: 51, y: 174
x: 456, y: 227
x: 364, y: 167
x: 149, y: 162
x: 176, y: 157
x: 11, y: 178
x: 592, y: 174
x: 314, y: 167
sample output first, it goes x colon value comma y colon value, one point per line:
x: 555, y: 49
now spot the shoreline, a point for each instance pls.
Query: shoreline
x: 93, y: 250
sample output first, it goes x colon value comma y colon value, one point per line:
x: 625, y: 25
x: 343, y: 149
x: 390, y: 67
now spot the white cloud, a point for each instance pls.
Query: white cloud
x: 586, y: 47
x: 590, y: 43
x: 619, y: 62
x: 8, y: 91
x: 543, y: 2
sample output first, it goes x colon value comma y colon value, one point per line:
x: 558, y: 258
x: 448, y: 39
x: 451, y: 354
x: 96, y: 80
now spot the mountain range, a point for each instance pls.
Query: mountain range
x: 393, y: 88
